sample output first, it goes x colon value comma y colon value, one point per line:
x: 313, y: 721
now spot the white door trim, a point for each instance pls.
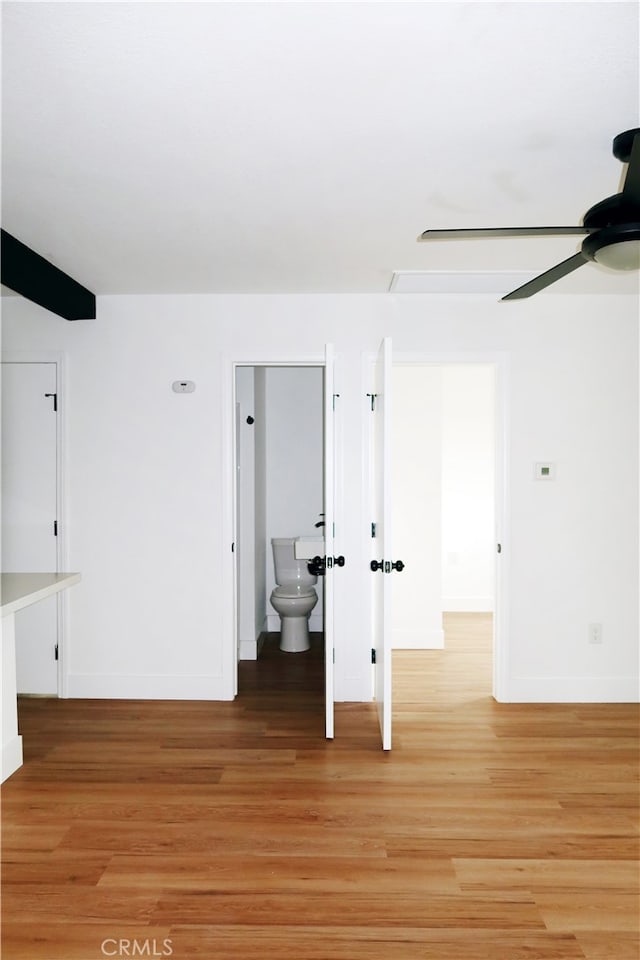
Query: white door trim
x: 229, y: 501
x: 62, y: 560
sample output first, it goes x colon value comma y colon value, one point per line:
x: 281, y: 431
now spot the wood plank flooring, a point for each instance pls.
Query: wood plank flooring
x: 234, y: 831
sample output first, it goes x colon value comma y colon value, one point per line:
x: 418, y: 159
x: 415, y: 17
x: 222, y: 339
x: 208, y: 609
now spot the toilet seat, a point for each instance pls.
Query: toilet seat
x: 291, y: 591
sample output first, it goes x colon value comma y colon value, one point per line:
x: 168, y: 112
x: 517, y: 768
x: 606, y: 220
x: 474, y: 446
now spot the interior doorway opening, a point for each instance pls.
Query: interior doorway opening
x: 279, y: 431
x: 447, y: 456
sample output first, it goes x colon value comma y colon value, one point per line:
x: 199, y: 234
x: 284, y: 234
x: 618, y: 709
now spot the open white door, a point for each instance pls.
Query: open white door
x: 329, y: 499
x: 381, y: 563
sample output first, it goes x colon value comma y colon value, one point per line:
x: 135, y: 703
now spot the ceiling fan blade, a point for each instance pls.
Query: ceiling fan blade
x: 547, y: 278
x: 463, y: 234
x: 631, y: 189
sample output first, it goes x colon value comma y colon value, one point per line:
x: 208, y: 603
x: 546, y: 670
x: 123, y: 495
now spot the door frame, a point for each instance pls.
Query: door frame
x: 499, y: 360
x: 30, y: 356
x: 229, y: 500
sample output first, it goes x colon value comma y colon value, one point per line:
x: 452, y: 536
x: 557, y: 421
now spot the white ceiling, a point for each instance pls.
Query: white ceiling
x: 302, y: 147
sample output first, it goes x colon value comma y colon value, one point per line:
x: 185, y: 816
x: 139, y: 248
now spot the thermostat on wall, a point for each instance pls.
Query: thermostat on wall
x: 545, y: 471
x: 183, y: 386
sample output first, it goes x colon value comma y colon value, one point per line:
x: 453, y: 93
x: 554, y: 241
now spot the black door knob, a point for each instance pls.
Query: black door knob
x: 376, y: 565
x: 339, y: 561
x: 398, y: 565
x: 316, y: 567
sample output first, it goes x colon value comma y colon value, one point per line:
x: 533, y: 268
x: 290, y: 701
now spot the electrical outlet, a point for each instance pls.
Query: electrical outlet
x: 595, y: 633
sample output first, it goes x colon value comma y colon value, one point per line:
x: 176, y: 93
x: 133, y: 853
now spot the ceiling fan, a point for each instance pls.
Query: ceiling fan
x: 612, y: 227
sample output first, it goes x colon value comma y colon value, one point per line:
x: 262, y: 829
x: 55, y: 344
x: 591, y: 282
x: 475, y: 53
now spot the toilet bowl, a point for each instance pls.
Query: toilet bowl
x: 294, y: 597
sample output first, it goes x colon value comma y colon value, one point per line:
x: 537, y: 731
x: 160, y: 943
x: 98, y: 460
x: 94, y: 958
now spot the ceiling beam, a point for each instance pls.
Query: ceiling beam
x: 30, y: 275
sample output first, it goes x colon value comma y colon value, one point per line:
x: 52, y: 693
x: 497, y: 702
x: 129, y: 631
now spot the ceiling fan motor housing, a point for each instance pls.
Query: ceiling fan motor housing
x: 616, y: 219
x: 611, y: 212
x: 623, y: 145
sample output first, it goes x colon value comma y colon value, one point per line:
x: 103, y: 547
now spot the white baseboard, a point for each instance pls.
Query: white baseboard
x: 571, y: 690
x: 147, y: 687
x: 417, y: 640
x: 11, y: 757
x: 468, y: 604
x: 250, y: 649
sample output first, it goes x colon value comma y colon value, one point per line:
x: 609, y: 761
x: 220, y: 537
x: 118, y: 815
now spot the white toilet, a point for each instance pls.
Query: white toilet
x: 294, y: 598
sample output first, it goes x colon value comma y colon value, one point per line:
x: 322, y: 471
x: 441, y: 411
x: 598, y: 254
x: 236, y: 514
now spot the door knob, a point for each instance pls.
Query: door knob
x: 339, y: 561
x: 386, y: 565
x: 316, y: 567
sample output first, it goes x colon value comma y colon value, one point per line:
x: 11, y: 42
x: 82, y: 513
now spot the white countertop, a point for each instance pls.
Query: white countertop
x: 18, y: 590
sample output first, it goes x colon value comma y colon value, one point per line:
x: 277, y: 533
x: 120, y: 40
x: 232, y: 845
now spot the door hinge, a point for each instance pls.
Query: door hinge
x: 55, y: 528
x: 334, y: 399
x: 373, y: 530
x: 233, y: 548
x: 55, y: 400
x: 373, y: 400
x: 373, y: 654
x: 56, y: 652
x: 499, y: 547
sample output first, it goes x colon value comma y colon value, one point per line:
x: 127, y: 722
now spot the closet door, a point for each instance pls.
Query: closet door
x: 29, y: 512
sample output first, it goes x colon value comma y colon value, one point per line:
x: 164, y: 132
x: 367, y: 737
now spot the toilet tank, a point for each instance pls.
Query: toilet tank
x: 287, y: 568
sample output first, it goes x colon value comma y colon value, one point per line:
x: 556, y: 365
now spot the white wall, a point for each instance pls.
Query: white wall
x: 468, y: 482
x: 148, y: 491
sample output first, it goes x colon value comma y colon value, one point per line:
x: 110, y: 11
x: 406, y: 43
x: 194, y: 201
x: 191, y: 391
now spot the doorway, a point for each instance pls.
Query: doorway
x: 279, y: 444
x: 448, y: 501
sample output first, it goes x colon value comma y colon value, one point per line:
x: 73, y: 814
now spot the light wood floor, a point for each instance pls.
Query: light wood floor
x: 234, y: 830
